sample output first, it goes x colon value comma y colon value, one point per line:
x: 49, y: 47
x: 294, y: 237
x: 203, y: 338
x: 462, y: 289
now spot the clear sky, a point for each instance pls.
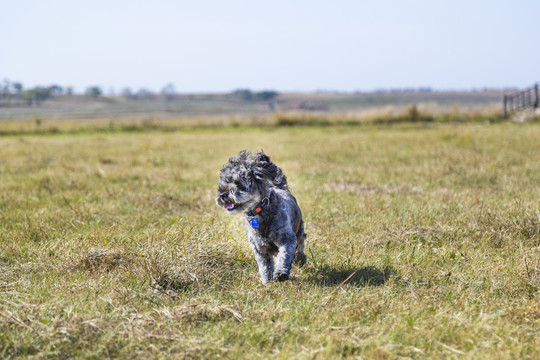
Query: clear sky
x: 286, y: 45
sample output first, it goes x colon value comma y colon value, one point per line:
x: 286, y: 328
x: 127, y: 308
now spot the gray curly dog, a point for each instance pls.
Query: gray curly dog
x: 253, y: 185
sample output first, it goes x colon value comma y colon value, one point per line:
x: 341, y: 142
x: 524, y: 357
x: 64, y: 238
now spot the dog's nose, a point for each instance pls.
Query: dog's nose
x: 223, y: 195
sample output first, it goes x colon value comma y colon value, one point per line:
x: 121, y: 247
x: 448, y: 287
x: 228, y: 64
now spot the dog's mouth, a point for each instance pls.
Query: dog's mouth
x: 230, y: 206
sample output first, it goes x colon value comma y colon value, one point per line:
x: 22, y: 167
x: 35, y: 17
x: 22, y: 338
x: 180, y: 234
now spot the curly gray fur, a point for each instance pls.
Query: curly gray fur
x: 253, y: 185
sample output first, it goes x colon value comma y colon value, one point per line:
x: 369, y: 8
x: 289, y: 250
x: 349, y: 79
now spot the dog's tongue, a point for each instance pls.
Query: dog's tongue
x: 228, y: 206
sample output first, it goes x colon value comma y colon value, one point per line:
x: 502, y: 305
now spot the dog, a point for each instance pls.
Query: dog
x: 253, y: 185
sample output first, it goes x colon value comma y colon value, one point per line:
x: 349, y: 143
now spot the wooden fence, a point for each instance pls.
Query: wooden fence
x: 520, y: 100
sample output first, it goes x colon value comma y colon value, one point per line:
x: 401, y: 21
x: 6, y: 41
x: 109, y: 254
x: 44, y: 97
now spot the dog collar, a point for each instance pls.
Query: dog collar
x: 259, y: 208
x: 264, y: 202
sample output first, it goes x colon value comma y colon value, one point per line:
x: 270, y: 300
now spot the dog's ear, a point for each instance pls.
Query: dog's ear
x: 261, y: 157
x: 258, y: 163
x: 260, y: 174
x: 263, y: 169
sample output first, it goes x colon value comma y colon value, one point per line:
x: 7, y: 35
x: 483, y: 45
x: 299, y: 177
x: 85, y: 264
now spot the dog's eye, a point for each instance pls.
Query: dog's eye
x: 240, y: 186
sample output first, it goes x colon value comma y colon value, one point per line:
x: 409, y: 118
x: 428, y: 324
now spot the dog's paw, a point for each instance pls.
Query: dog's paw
x: 300, y: 259
x: 265, y: 280
x: 281, y: 276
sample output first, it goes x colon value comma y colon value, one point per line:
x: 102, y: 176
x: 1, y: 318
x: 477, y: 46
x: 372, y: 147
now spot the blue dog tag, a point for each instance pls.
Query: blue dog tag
x: 254, y: 222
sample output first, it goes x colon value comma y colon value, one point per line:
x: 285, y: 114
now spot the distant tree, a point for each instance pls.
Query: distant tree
x: 41, y: 94
x: 248, y: 95
x: 36, y: 95
x: 28, y: 96
x: 144, y: 94
x: 244, y: 94
x: 168, y: 91
x: 126, y: 92
x: 93, y: 91
x: 266, y: 95
x: 6, y: 94
x: 69, y: 90
x: 18, y: 87
x: 56, y: 89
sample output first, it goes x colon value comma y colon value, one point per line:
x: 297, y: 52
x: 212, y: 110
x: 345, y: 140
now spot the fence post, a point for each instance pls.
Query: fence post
x: 536, y: 95
x: 521, y: 100
x: 513, y: 104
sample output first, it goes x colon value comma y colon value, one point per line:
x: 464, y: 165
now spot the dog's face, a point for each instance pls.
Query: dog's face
x: 246, y: 179
x: 239, y: 190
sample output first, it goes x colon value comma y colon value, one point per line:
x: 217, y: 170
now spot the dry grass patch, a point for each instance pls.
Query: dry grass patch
x: 102, y: 259
x: 202, y: 312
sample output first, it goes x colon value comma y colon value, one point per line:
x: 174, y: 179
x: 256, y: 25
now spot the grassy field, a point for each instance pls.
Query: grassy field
x: 386, y: 115
x: 186, y: 106
x: 423, y: 242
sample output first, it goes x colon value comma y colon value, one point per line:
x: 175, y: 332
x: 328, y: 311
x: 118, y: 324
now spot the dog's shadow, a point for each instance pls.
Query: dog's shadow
x: 328, y: 275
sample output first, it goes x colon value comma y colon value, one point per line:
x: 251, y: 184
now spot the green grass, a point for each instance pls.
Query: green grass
x: 423, y: 242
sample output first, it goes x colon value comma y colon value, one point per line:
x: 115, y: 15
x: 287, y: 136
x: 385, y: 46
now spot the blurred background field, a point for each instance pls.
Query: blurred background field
x: 61, y: 113
x: 234, y: 104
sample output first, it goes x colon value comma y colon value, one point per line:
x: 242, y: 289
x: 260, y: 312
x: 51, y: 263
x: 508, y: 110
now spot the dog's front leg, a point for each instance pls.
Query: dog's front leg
x: 286, y: 251
x: 265, y: 262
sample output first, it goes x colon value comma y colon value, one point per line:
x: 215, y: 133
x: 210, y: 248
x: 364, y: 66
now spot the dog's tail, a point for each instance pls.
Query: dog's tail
x: 264, y: 168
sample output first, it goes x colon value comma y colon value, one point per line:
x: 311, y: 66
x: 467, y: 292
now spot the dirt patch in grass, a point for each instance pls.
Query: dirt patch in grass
x: 97, y: 259
x: 204, y: 312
